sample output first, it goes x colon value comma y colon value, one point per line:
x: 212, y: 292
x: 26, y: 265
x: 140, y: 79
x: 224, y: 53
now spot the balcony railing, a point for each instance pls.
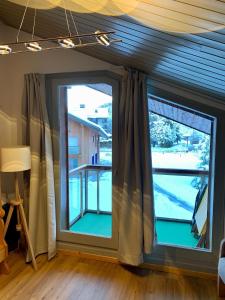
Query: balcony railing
x: 90, y: 189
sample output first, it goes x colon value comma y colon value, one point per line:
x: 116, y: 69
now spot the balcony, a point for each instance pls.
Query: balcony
x: 90, y: 202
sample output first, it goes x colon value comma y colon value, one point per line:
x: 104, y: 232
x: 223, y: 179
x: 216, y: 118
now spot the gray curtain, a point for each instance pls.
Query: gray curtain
x: 136, y: 211
x: 36, y: 133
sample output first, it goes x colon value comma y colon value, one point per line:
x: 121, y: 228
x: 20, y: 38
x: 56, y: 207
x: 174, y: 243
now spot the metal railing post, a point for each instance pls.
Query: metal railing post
x: 98, y: 191
x: 86, y: 189
x: 81, y: 194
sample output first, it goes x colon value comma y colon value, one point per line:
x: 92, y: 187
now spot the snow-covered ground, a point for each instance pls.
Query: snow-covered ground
x: 180, y: 160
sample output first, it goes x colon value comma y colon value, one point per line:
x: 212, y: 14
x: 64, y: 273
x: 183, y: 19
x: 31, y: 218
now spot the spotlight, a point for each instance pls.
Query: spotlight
x: 66, y: 43
x: 33, y: 46
x: 4, y: 50
x: 102, y: 39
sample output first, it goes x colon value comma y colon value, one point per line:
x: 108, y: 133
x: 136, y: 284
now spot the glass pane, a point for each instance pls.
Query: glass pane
x: 180, y: 147
x: 92, y: 190
x: 174, y: 196
x: 177, y: 146
x: 105, y: 201
x: 90, y: 154
x: 74, y: 197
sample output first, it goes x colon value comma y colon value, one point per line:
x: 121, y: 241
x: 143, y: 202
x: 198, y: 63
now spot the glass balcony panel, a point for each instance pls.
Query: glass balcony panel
x: 74, y: 197
x: 92, y: 190
x: 175, y: 195
x: 105, y: 191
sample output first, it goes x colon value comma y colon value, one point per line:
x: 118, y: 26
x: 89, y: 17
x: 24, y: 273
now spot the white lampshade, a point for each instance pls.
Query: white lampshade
x: 15, y: 159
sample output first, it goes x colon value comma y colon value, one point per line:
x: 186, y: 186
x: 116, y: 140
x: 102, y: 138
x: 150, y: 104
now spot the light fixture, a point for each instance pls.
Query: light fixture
x: 5, y: 49
x: 33, y: 46
x: 15, y: 160
x: 68, y: 41
x: 102, y: 39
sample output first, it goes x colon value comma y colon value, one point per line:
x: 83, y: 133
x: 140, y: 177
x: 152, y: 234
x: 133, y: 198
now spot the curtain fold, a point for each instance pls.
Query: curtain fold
x: 36, y: 133
x: 136, y: 210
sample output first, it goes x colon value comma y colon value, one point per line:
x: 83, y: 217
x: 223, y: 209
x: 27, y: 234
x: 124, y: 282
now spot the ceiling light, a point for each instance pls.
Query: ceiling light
x: 33, y: 46
x: 5, y: 49
x: 66, y: 43
x: 73, y: 39
x: 103, y: 39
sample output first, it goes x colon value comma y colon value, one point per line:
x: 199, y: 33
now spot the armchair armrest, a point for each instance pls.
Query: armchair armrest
x: 222, y: 248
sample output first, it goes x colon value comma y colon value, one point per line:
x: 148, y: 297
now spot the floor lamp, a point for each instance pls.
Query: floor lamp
x: 15, y: 160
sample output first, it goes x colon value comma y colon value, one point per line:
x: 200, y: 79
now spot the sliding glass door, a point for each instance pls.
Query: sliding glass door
x: 85, y: 131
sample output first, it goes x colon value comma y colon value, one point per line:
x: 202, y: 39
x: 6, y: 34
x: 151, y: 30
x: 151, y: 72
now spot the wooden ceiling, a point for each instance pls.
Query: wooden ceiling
x: 196, y: 61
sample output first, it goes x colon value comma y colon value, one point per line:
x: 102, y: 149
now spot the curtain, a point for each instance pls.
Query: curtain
x: 136, y: 211
x: 36, y: 133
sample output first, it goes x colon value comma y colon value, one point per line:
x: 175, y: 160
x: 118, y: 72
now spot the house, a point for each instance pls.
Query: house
x: 83, y: 141
x: 179, y: 46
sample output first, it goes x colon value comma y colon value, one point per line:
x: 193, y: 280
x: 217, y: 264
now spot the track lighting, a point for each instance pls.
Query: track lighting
x: 33, y: 46
x: 5, y: 49
x: 103, y: 39
x: 66, y: 43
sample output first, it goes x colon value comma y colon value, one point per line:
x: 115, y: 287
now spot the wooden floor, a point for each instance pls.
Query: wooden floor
x: 70, y: 277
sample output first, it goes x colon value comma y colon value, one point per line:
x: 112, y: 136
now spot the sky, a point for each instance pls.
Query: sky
x: 81, y: 94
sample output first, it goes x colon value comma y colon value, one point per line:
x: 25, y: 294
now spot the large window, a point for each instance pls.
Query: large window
x: 187, y: 146
x: 181, y: 144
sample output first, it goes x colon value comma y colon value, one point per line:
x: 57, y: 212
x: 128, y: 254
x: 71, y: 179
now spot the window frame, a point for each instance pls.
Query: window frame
x: 189, y: 257
x: 57, y: 102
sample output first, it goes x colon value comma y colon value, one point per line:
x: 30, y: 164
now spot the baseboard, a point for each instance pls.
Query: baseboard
x: 71, y: 250
x: 89, y: 256
x: 88, y: 250
x: 179, y: 271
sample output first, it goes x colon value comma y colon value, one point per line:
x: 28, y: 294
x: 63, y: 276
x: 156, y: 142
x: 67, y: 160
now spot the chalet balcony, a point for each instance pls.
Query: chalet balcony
x: 175, y: 194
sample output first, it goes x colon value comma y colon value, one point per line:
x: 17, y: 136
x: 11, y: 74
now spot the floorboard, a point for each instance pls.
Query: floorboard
x: 69, y: 277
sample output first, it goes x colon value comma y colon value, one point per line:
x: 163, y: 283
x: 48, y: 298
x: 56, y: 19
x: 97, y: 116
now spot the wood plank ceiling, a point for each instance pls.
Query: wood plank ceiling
x: 196, y: 61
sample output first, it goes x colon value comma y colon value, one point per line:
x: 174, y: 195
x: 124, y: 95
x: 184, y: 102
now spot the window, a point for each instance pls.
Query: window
x: 181, y: 142
x: 73, y: 163
x: 184, y: 181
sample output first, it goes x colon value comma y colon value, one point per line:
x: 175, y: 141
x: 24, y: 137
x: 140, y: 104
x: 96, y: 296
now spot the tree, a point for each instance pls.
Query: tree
x: 204, y: 147
x: 164, y: 132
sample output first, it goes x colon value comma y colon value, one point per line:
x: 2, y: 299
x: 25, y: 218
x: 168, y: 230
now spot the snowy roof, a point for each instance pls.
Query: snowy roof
x: 179, y: 114
x: 89, y: 124
x: 102, y: 87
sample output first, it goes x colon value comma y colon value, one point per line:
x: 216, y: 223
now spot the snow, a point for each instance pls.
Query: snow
x: 181, y: 160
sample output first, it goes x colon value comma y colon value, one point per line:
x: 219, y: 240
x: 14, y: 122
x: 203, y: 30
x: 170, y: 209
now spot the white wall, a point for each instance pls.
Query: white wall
x: 12, y: 70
